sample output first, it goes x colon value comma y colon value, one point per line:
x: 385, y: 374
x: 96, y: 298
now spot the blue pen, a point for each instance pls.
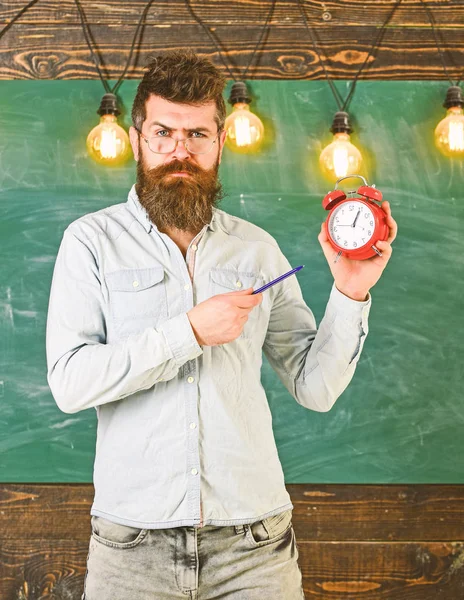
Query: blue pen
x: 277, y: 280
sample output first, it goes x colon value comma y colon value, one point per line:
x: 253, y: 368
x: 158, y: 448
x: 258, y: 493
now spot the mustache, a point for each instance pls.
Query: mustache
x: 174, y: 167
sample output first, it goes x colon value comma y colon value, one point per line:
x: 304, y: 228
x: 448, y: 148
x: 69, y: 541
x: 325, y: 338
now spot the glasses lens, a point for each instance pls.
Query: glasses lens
x: 162, y: 145
x: 200, y: 145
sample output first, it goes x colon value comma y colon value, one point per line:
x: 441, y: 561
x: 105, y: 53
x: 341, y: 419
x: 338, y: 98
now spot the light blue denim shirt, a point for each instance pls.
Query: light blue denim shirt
x: 184, y: 434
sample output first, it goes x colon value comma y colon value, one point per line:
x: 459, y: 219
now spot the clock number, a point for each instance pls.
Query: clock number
x: 338, y: 237
x: 366, y: 215
x: 355, y: 244
x: 351, y: 206
x: 335, y: 228
x: 345, y: 244
x: 369, y: 232
x: 371, y: 223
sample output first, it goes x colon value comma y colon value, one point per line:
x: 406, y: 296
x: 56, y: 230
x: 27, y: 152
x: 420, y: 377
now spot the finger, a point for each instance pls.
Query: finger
x: 386, y: 207
x: 246, y: 292
x: 247, y: 302
x: 390, y: 221
x: 323, y: 233
x: 327, y: 249
x: 245, y: 298
x: 386, y: 250
x: 392, y: 224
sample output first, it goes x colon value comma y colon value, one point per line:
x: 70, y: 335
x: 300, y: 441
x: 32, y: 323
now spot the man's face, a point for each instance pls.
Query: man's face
x: 178, y: 189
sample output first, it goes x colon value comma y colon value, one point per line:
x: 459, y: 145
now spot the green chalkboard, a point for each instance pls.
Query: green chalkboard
x: 402, y: 417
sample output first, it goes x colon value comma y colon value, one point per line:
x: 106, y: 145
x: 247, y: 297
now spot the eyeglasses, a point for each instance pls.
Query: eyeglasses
x: 167, y: 144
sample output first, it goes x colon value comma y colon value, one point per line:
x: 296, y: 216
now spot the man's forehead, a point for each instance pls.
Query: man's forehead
x: 182, y: 116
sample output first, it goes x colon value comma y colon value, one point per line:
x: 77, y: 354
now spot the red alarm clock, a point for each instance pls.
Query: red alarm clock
x: 356, y: 223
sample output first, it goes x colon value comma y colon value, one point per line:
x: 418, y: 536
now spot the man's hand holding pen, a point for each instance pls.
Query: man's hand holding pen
x: 221, y: 318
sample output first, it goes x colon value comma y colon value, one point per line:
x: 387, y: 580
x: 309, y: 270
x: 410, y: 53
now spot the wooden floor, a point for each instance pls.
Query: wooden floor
x: 356, y: 542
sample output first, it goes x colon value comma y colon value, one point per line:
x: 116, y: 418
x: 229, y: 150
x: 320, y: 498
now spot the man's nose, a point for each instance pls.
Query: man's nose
x: 180, y: 151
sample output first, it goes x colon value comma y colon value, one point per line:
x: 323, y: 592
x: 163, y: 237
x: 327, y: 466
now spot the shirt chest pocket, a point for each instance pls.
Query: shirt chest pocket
x: 137, y: 299
x: 225, y: 280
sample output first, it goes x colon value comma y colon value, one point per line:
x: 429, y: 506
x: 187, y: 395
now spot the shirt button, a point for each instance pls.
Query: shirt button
x: 190, y: 379
x: 238, y: 284
x: 194, y: 472
x: 192, y: 425
x: 135, y: 283
x: 194, y: 247
x: 186, y: 287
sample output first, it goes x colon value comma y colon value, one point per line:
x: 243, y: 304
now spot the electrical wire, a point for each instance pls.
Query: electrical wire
x: 16, y: 17
x: 87, y: 35
x: 215, y: 43
x: 442, y: 58
x: 141, y: 24
x: 343, y: 105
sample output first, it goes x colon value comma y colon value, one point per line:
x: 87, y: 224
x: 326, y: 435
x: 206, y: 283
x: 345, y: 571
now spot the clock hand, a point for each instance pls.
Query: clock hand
x: 363, y: 228
x: 356, y: 218
x: 344, y: 225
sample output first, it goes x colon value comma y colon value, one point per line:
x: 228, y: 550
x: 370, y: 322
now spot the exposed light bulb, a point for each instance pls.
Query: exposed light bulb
x: 340, y: 158
x: 449, y: 133
x: 108, y: 143
x: 245, y: 131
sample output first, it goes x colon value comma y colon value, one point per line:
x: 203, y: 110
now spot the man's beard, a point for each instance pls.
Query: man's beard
x: 184, y: 203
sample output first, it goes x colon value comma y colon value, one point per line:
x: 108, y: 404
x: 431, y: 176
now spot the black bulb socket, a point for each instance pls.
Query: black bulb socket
x: 453, y: 97
x: 341, y: 123
x: 239, y: 93
x: 109, y: 105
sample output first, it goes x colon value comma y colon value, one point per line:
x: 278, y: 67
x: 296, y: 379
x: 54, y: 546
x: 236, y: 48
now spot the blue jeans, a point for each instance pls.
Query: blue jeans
x: 240, y: 562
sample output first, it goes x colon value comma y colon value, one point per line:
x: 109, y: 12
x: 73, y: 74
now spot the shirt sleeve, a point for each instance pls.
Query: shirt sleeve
x: 82, y: 370
x: 315, y: 365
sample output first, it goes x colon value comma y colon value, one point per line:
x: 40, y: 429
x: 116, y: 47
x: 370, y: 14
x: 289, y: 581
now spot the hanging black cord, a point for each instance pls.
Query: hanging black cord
x: 343, y: 106
x: 213, y: 39
x: 336, y: 93
x: 86, y: 30
x: 375, y: 46
x: 442, y: 58
x: 16, y: 17
x: 86, y: 35
x: 263, y: 30
x: 141, y: 24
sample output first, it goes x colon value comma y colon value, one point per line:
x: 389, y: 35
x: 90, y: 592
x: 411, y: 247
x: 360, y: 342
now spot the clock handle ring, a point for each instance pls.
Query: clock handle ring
x: 350, y: 177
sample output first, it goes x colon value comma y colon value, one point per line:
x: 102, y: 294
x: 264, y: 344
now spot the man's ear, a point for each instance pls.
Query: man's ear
x: 222, y: 139
x: 134, y: 140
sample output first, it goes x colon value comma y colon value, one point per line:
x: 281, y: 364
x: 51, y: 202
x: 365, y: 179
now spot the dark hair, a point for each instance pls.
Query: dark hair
x: 180, y: 76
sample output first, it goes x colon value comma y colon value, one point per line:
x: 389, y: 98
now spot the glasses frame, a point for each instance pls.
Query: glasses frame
x: 184, y: 141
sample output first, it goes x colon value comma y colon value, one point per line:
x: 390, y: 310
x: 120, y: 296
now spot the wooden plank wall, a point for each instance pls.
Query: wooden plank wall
x: 356, y: 542
x: 47, y: 41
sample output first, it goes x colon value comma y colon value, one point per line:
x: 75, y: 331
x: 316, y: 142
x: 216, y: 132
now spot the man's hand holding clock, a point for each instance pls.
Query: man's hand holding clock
x: 354, y: 278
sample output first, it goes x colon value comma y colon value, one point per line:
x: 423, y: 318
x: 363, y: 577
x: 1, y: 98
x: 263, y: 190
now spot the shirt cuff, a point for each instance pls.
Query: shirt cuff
x: 180, y: 338
x: 350, y: 309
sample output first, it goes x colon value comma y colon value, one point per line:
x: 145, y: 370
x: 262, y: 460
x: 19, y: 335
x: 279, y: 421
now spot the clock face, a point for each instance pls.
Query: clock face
x: 342, y: 219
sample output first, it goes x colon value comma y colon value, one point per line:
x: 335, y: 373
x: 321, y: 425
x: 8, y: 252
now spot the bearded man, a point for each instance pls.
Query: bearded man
x: 152, y: 322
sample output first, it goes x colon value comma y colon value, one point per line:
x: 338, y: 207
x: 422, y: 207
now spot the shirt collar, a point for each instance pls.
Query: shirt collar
x: 139, y: 212
x: 135, y: 208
